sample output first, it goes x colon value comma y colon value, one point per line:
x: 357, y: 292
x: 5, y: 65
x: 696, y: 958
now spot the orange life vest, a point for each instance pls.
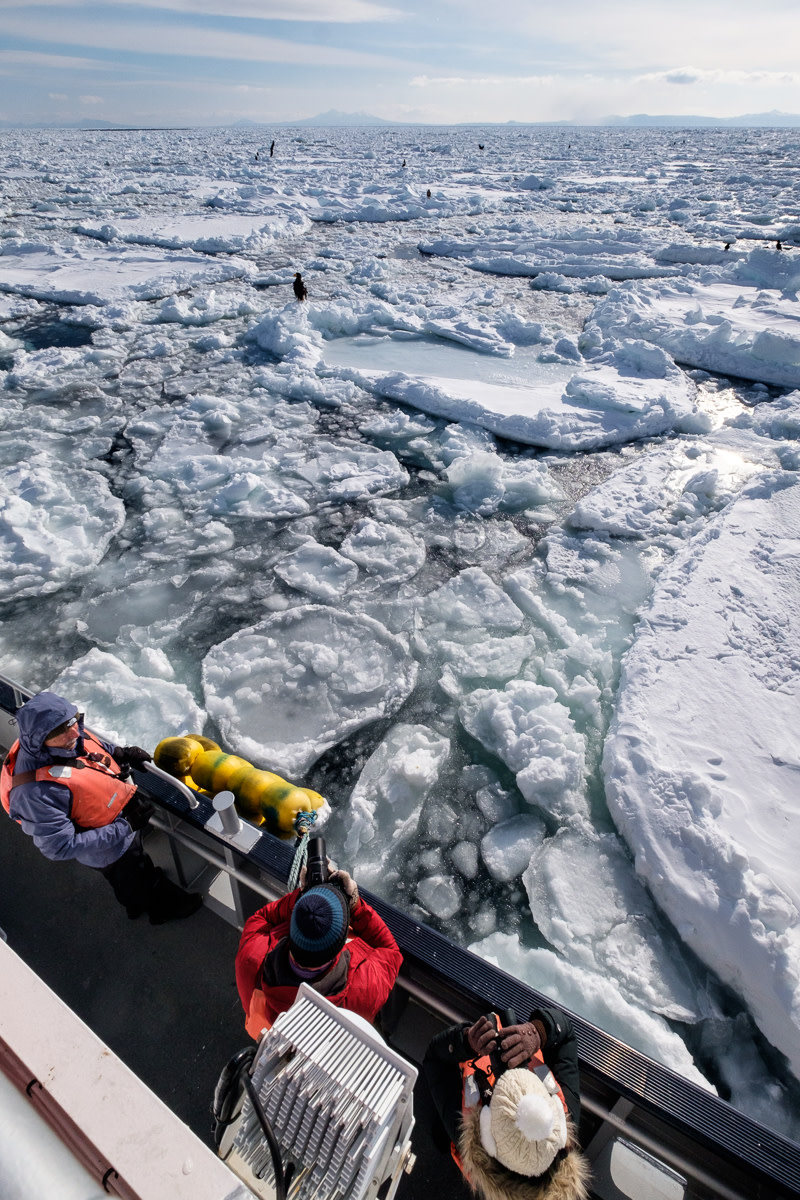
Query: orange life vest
x: 257, y: 1019
x: 98, y: 795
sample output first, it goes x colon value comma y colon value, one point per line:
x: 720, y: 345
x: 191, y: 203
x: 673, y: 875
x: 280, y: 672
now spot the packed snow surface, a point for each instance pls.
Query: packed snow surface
x: 493, y: 540
x: 702, y: 756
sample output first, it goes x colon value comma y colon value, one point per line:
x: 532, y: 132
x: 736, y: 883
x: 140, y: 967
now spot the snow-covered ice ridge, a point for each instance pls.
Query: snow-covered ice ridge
x: 494, y: 540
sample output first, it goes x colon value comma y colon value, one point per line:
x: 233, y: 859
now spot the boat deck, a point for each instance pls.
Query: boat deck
x: 163, y: 997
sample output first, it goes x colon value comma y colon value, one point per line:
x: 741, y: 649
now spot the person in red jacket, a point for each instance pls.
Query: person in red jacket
x: 327, y: 937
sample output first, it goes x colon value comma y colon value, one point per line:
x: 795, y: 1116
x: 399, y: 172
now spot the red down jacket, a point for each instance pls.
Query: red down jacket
x: 374, y: 960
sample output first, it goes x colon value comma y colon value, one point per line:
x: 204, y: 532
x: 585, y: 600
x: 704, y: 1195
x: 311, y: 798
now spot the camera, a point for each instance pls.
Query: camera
x: 316, y: 863
x: 506, y: 1017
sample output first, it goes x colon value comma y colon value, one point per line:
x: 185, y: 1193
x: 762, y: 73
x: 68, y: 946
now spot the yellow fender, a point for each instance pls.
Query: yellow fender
x: 261, y: 797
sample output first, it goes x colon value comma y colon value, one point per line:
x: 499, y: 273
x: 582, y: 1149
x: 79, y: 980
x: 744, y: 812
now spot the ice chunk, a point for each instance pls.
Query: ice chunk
x: 288, y: 335
x: 470, y: 600
x: 68, y: 275
x: 536, y: 183
x: 589, y: 904
x: 318, y: 570
x: 533, y: 734
x: 386, y: 803
x: 349, y: 471
x: 251, y: 494
x: 440, y: 895
x: 719, y: 326
x: 595, y: 997
x: 495, y: 802
x: 464, y: 856
x: 155, y: 665
x: 490, y: 659
x: 604, y: 403
x: 667, y: 490
x: 56, y: 522
x: 483, y: 482
x: 208, y: 233
x: 284, y: 691
x: 702, y: 755
x: 384, y: 551
x: 125, y: 708
x: 506, y: 850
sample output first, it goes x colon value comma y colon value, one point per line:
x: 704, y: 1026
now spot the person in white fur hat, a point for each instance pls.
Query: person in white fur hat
x: 509, y: 1102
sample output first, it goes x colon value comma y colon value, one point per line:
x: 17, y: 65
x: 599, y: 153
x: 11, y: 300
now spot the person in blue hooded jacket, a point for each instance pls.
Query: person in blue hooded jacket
x: 71, y: 792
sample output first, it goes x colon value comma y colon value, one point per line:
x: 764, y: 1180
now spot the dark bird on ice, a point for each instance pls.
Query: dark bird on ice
x: 429, y: 193
x: 480, y: 147
x: 299, y: 287
x: 778, y: 245
x: 271, y: 149
x: 727, y: 245
x: 404, y: 162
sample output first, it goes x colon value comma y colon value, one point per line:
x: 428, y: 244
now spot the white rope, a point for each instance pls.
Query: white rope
x: 303, y: 824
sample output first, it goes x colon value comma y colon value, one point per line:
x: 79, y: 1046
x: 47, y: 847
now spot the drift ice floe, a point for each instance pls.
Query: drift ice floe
x: 261, y: 796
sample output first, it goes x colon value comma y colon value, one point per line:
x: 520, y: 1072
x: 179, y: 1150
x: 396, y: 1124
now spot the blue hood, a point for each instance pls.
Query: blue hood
x: 38, y: 718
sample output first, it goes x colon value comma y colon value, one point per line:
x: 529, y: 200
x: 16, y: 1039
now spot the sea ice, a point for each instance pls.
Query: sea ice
x: 595, y: 997
x: 441, y: 895
x: 85, y: 275
x: 507, y: 848
x: 669, y: 490
x: 599, y: 406
x: 589, y: 904
x: 728, y: 327
x: 123, y: 706
x: 495, y: 660
x: 470, y: 601
x: 703, y: 751
x: 386, y: 803
x: 207, y: 455
x: 207, y: 233
x: 383, y: 551
x: 56, y: 523
x: 284, y: 691
x: 526, y: 727
x: 317, y: 570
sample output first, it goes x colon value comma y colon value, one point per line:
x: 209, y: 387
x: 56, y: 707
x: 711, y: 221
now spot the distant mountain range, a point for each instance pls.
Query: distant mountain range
x: 769, y: 120
x: 334, y: 118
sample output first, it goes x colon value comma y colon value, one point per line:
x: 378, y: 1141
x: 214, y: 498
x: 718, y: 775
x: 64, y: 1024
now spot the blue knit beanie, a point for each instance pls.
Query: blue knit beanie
x: 319, y: 924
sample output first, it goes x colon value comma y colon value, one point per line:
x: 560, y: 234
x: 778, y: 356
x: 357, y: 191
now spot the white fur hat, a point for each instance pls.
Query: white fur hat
x: 524, y: 1127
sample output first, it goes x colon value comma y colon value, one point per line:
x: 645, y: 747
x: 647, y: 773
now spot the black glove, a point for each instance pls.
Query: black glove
x: 137, y: 812
x: 131, y: 756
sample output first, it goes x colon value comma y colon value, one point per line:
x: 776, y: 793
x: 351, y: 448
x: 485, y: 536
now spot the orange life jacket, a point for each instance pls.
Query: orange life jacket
x: 257, y: 1019
x: 482, y: 1068
x: 98, y: 795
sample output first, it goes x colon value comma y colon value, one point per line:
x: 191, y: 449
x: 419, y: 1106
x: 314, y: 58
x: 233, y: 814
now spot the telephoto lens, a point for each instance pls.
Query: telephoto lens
x: 316, y: 863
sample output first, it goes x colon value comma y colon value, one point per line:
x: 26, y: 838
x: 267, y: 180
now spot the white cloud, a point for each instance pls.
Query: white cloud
x: 489, y: 81
x: 340, y: 12
x: 92, y: 100
x: 620, y: 35
x: 57, y: 96
x: 32, y: 58
x: 690, y: 75
x: 185, y: 41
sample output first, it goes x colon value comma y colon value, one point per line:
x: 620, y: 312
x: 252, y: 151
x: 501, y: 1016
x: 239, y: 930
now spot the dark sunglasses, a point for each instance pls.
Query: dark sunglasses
x: 65, y: 725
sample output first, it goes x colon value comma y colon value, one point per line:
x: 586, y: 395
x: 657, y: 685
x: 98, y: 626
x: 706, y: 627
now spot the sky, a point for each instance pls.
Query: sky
x: 214, y: 62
